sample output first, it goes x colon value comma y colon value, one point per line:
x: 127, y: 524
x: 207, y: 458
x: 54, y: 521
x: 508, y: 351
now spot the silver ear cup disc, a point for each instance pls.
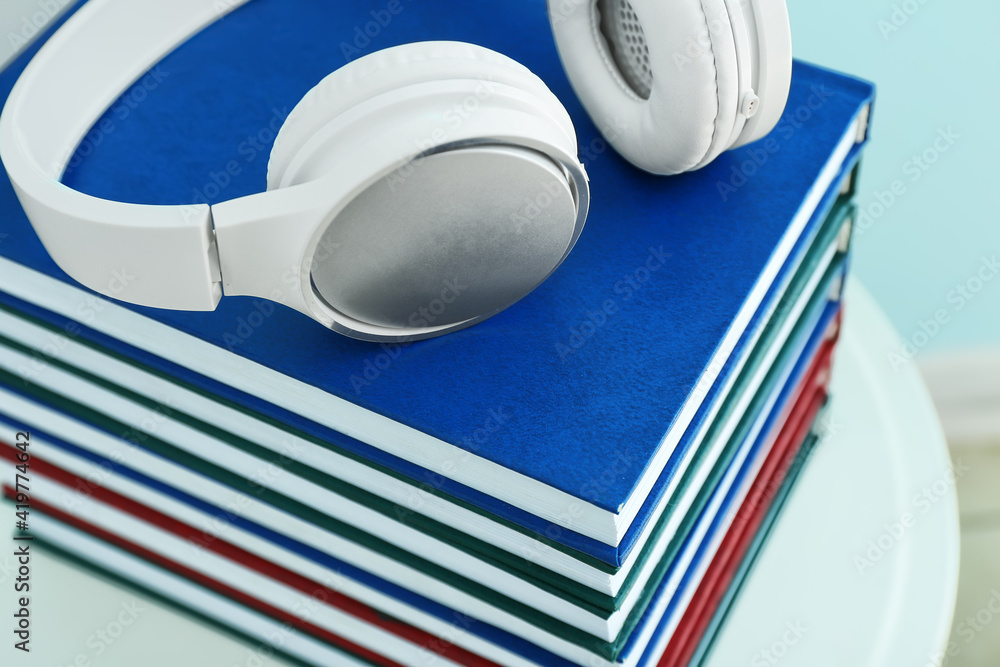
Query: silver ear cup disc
x: 451, y: 238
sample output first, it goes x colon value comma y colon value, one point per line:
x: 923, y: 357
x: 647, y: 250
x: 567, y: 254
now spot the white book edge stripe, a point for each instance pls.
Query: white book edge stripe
x: 407, y: 496
x: 231, y: 573
x: 190, y: 441
x: 277, y: 521
x: 819, y: 189
x: 192, y: 596
x: 142, y: 422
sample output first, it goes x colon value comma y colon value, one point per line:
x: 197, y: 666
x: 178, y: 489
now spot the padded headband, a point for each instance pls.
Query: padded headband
x: 91, y: 61
x: 378, y: 109
x: 170, y: 253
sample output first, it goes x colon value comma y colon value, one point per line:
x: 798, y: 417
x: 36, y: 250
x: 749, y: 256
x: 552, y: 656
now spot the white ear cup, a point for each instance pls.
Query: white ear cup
x: 685, y: 118
x: 453, y: 185
x: 392, y: 69
x: 770, y: 38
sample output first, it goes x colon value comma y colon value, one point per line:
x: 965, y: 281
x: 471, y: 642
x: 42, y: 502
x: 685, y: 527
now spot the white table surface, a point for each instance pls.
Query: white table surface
x: 884, y: 447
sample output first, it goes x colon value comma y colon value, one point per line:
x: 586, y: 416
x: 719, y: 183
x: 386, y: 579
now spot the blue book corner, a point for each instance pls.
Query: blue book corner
x: 576, y: 386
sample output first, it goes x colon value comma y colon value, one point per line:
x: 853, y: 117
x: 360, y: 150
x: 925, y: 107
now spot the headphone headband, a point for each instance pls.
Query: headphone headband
x: 675, y: 116
x: 162, y: 255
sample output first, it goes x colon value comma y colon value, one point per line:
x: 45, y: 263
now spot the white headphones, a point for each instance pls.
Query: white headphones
x: 398, y: 213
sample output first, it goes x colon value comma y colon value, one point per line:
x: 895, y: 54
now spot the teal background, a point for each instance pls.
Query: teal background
x: 940, y: 69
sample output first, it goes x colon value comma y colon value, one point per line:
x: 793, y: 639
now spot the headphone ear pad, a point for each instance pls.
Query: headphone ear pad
x: 390, y: 69
x: 418, y: 168
x: 659, y: 78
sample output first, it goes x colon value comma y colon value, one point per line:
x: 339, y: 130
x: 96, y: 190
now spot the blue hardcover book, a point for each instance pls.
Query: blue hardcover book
x: 555, y: 426
x: 654, y: 624
x: 160, y: 466
x: 667, y: 599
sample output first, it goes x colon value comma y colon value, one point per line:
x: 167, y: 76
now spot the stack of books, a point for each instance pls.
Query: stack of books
x: 584, y: 479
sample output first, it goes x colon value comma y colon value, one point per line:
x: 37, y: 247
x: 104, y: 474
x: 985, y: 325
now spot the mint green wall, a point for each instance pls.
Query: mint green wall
x: 940, y: 69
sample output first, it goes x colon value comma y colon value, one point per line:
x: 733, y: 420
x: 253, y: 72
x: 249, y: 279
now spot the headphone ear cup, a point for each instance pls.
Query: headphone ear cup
x: 446, y: 186
x: 659, y: 78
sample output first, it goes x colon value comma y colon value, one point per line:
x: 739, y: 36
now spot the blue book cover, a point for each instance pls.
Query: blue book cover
x: 666, y: 605
x: 558, y: 415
